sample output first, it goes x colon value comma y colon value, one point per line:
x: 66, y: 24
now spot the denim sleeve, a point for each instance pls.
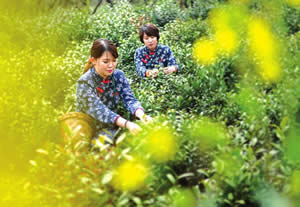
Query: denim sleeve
x: 89, y: 103
x: 171, y: 60
x: 139, y: 65
x: 127, y: 95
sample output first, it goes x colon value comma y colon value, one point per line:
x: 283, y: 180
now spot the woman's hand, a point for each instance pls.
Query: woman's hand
x: 133, y: 128
x: 140, y: 114
x: 146, y: 119
x: 152, y: 73
x: 169, y: 70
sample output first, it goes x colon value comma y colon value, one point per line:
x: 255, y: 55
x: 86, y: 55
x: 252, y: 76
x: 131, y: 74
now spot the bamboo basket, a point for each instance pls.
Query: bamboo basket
x: 77, y: 125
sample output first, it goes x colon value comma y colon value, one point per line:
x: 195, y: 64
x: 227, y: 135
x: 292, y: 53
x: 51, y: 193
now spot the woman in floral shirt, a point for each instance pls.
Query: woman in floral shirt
x: 152, y: 54
x: 100, y: 89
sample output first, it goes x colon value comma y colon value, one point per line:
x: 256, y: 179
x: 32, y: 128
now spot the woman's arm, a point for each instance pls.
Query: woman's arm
x: 132, y: 127
x: 140, y: 114
x: 130, y: 102
x: 126, y: 93
x: 88, y: 102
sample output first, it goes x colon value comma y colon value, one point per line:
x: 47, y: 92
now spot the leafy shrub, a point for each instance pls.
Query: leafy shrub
x: 39, y: 84
x: 27, y: 116
x: 292, y: 19
x: 200, y: 9
x: 164, y: 12
x: 186, y: 32
x: 116, y: 24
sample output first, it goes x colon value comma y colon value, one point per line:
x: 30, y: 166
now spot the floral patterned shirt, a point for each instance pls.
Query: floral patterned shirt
x: 147, y: 60
x: 99, y: 98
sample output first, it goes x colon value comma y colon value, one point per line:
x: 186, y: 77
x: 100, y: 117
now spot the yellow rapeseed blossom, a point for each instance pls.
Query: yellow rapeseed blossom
x: 205, y: 51
x: 226, y: 40
x: 261, y: 39
x: 264, y: 48
x: 270, y: 71
x: 293, y: 2
x: 228, y: 23
x: 161, y: 145
x: 233, y: 17
x: 218, y: 18
x: 130, y: 175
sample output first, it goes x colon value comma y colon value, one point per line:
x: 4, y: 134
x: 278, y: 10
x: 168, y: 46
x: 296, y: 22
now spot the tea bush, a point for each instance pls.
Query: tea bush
x: 200, y: 9
x: 164, y: 12
x: 232, y: 130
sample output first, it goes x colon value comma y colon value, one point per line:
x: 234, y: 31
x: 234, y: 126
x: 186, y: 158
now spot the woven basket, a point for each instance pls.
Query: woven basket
x: 76, y: 125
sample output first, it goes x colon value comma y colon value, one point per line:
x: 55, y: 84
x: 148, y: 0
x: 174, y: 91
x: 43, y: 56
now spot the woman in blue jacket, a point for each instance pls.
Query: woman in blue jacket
x: 150, y: 56
x: 102, y: 87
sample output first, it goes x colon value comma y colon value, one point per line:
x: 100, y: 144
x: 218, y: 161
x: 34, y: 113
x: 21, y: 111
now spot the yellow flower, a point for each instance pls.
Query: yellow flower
x: 270, y: 71
x: 161, y: 145
x: 130, y: 175
x: 233, y: 17
x: 205, y: 51
x: 218, y: 18
x: 293, y: 2
x: 226, y: 40
x: 228, y: 22
x: 264, y: 48
x: 261, y: 39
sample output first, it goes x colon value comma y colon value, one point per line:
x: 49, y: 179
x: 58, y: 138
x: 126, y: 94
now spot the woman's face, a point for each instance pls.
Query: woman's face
x: 150, y: 41
x: 105, y: 65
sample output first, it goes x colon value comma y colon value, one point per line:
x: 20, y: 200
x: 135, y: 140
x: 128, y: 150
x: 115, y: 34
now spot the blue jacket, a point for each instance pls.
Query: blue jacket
x: 99, y: 98
x: 146, y: 60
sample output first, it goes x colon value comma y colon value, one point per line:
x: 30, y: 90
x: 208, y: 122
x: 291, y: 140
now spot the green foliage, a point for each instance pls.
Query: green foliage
x: 236, y: 135
x: 200, y: 9
x: 70, y: 177
x: 164, y: 12
x: 292, y: 19
x: 114, y: 23
x: 184, y: 32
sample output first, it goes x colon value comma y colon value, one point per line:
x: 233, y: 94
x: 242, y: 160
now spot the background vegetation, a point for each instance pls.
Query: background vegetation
x: 229, y: 123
